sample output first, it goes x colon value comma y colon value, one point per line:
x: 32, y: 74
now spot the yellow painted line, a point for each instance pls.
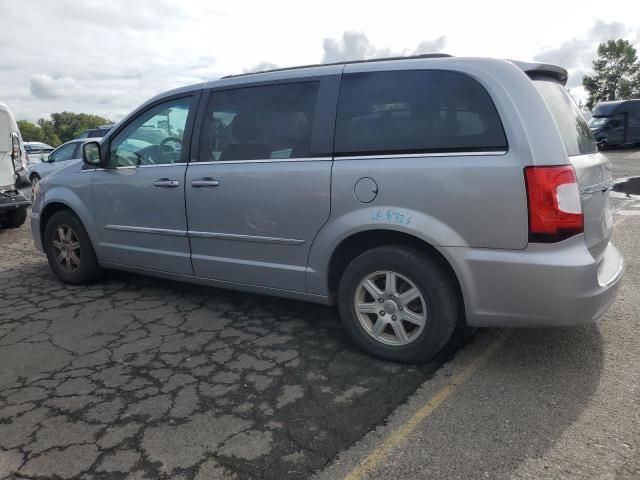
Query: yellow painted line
x: 399, y: 435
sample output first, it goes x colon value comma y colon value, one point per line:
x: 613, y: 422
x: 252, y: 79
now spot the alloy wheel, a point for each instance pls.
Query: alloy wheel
x: 390, y: 308
x: 66, y: 247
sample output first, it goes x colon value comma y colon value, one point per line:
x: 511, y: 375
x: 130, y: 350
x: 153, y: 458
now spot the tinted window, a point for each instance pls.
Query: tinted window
x: 415, y: 111
x: 84, y: 134
x: 98, y: 132
x: 152, y: 138
x: 252, y: 123
x: 573, y: 128
x: 605, y: 109
x: 634, y: 114
x: 65, y: 152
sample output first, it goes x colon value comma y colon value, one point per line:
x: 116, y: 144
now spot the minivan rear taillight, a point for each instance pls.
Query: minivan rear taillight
x: 555, y: 211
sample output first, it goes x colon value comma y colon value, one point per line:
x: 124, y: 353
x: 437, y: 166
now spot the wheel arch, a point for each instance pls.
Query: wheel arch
x: 359, y: 242
x: 56, y: 204
x: 48, y: 212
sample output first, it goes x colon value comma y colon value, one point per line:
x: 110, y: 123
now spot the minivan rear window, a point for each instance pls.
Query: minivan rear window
x: 572, y: 126
x: 415, y: 111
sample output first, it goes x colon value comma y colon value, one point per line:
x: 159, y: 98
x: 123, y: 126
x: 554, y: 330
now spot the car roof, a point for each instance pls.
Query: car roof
x: 532, y: 68
x: 81, y: 140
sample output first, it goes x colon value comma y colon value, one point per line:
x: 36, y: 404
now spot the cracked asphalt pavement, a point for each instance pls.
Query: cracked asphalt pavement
x: 135, y: 377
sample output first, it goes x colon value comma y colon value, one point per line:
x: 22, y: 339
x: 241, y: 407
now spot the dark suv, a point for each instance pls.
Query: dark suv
x: 96, y: 132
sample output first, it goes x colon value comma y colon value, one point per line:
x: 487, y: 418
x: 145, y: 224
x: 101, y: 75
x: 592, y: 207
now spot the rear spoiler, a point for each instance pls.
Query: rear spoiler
x: 536, y: 70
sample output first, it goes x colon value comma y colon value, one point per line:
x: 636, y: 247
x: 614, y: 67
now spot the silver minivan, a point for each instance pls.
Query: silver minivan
x: 420, y: 195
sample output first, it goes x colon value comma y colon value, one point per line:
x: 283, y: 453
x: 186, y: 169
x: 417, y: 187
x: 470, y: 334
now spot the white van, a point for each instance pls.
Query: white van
x: 13, y: 169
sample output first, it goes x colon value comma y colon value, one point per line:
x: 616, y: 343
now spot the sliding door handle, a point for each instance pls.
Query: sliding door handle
x: 166, y: 183
x: 205, y: 182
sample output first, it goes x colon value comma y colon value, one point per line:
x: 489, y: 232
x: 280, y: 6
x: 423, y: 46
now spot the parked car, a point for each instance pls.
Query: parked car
x: 63, y: 156
x: 96, y: 132
x: 432, y: 193
x: 36, y: 151
x: 616, y: 123
x: 13, y: 203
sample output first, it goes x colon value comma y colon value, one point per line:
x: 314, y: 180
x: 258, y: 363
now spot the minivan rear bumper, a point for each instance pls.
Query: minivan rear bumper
x: 543, y: 285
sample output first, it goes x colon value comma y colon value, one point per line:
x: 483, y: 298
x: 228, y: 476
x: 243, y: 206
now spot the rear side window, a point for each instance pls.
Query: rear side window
x: 415, y: 111
x: 572, y: 126
x: 258, y: 123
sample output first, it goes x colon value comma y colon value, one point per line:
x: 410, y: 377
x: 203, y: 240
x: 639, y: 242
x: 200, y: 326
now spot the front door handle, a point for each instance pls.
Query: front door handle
x: 205, y: 182
x: 166, y: 183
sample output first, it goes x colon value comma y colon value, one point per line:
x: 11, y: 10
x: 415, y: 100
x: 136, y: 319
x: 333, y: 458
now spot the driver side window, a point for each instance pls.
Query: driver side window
x: 153, y: 138
x: 64, y: 153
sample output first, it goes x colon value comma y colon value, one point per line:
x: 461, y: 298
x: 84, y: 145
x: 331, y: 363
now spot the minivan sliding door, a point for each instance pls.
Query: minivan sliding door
x: 259, y: 190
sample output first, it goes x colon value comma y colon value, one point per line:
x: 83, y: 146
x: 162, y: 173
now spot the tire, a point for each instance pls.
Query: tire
x: 69, y: 249
x: 15, y: 218
x: 438, y: 304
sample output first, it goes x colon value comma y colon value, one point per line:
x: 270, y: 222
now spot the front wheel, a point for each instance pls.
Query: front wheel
x: 69, y: 250
x: 398, y: 304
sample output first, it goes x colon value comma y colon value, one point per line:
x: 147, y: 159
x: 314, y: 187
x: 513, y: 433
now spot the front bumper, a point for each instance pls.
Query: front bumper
x: 543, y: 285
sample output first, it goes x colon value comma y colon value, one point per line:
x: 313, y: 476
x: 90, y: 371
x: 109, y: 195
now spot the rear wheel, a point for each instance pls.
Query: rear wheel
x: 69, y: 250
x: 398, y: 304
x: 15, y: 218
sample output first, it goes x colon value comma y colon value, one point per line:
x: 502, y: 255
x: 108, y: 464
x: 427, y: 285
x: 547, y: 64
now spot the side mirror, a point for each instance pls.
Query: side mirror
x: 91, y: 154
x: 45, y: 158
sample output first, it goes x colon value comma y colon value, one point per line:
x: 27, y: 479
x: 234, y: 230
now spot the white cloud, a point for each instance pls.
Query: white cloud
x: 45, y: 87
x: 260, y: 67
x: 580, y: 51
x: 107, y: 57
x: 356, y: 46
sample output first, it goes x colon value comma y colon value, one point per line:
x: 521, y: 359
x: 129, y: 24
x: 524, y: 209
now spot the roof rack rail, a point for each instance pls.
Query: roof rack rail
x: 346, y: 62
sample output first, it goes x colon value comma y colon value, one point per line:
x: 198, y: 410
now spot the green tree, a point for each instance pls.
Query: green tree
x: 49, y: 134
x: 616, y: 73
x: 30, y: 131
x: 60, y: 128
x: 68, y: 125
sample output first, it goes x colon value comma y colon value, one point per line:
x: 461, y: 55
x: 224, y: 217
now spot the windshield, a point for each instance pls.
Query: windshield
x: 572, y: 126
x: 597, y: 122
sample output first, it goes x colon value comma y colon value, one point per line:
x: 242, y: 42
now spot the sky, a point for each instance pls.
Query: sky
x: 108, y: 56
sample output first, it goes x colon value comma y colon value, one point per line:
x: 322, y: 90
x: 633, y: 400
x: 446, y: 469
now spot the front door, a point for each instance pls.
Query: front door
x: 139, y: 197
x: 259, y: 191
